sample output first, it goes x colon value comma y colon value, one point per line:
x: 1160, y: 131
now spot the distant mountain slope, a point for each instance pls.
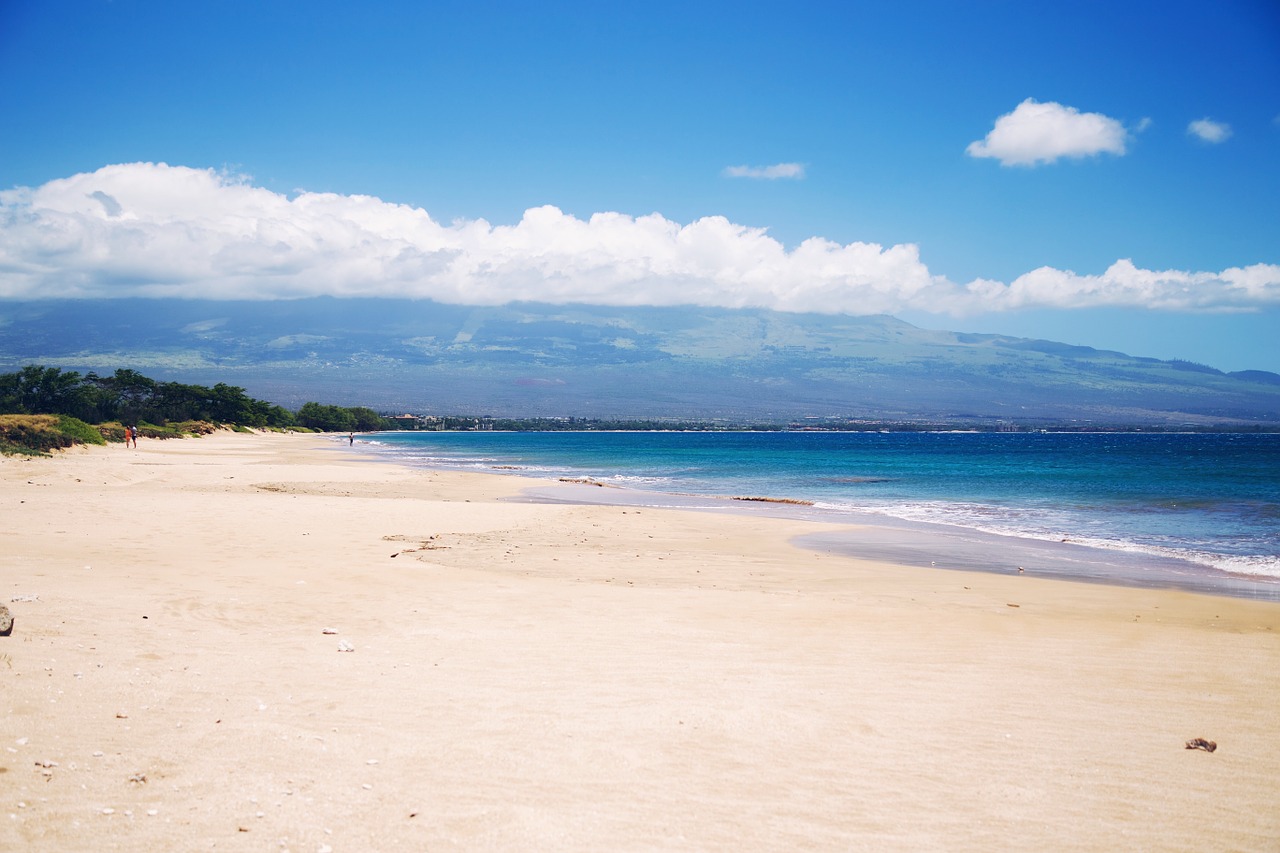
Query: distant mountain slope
x: 532, y: 359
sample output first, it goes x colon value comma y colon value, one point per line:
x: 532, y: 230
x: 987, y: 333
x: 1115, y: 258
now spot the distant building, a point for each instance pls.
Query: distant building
x: 406, y: 421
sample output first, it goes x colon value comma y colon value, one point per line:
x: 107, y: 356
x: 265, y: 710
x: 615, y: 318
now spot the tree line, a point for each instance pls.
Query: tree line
x: 128, y: 397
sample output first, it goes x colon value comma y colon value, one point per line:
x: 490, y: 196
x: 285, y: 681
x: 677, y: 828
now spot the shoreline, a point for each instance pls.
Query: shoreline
x: 897, y: 540
x: 571, y: 676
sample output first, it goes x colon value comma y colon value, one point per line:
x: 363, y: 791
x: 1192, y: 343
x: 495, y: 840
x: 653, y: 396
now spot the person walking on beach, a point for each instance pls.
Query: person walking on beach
x: 351, y: 439
x: 132, y: 433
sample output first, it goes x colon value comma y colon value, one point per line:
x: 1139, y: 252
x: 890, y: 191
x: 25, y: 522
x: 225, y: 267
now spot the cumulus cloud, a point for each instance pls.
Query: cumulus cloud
x: 171, y: 231
x: 794, y: 171
x: 1036, y: 133
x: 1207, y: 130
x: 1125, y: 285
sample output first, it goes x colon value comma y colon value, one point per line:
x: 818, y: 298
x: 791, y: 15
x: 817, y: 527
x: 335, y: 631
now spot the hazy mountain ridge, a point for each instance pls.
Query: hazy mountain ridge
x: 533, y: 359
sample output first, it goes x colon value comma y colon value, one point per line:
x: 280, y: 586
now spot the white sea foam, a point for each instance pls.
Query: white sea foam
x: 636, y: 480
x: 1035, y: 525
x: 1084, y: 508
x: 1267, y: 567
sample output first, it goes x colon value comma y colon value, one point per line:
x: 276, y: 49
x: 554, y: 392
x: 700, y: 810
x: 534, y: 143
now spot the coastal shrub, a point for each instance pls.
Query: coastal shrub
x: 146, y: 430
x: 8, y: 448
x: 113, y: 432
x: 34, y: 435
x: 38, y: 433
x: 195, y: 427
x: 128, y: 397
x: 341, y: 418
x: 40, y: 390
x: 78, y: 431
x: 165, y: 409
x: 24, y: 435
x: 180, y: 429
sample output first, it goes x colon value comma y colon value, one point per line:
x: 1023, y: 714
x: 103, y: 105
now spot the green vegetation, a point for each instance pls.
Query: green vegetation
x: 79, y: 431
x: 128, y: 397
x: 34, y: 435
x: 338, y: 419
x: 47, y: 408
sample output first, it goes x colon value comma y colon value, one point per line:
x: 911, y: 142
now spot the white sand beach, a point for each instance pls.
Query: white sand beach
x: 528, y: 676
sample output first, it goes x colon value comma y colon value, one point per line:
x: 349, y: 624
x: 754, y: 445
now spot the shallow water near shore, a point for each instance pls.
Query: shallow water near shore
x: 1193, y: 511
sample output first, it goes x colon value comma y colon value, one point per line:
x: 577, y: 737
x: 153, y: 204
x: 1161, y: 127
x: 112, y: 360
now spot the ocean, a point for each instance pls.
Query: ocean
x: 1195, y: 511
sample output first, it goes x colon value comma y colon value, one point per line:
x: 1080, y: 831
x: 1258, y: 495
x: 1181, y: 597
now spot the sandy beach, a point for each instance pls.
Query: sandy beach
x: 543, y: 676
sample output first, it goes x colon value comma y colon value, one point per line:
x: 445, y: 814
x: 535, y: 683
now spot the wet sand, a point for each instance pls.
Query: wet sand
x: 555, y: 676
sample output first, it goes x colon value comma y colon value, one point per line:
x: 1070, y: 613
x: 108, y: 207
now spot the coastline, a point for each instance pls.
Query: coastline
x: 865, y: 534
x: 924, y: 545
x: 1095, y: 508
x: 577, y: 676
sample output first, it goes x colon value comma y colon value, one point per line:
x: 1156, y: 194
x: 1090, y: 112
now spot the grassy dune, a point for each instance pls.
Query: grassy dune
x: 40, y: 435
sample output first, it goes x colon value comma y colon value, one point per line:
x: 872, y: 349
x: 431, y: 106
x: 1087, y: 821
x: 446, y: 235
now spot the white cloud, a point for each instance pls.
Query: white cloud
x: 1126, y: 285
x: 1207, y: 130
x: 192, y: 233
x: 1045, y: 132
x: 793, y: 171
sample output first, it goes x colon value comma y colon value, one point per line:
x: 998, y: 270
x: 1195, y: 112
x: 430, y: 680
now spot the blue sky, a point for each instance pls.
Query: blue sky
x: 1097, y: 173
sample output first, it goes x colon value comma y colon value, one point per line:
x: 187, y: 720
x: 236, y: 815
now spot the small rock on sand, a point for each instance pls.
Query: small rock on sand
x: 6, y: 621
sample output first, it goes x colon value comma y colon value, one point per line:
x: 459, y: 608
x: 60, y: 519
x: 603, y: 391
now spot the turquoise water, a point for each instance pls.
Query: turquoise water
x: 1205, y: 507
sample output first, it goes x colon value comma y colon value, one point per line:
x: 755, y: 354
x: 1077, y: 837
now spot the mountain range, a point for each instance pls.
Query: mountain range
x: 539, y: 360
